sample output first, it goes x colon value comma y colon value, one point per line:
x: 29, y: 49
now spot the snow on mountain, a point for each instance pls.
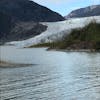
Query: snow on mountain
x: 56, y: 31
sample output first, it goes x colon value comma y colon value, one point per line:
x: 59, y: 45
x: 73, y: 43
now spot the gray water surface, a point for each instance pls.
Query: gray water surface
x: 55, y: 76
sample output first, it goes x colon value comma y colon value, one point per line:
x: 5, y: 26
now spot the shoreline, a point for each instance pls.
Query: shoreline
x: 67, y: 50
x: 57, y: 49
x: 75, y: 50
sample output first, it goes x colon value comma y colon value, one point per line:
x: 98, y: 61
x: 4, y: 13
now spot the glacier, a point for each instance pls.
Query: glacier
x: 56, y: 31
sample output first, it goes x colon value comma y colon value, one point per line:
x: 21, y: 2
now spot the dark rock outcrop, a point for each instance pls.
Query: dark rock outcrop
x: 5, y: 24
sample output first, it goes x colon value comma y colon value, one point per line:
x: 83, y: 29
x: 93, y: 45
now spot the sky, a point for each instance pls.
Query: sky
x: 66, y: 6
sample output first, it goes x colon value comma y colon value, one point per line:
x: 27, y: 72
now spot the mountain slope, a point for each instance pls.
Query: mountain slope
x: 5, y: 24
x: 85, y: 12
x: 26, y: 10
x: 22, y: 31
x: 11, y: 31
x: 19, y: 19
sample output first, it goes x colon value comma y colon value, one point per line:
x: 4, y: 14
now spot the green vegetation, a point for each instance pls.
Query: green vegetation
x: 83, y: 38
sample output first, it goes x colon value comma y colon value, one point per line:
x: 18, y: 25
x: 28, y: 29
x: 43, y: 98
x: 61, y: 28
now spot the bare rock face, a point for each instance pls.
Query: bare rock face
x: 12, y: 31
x: 22, y: 31
x: 85, y: 12
x: 25, y: 30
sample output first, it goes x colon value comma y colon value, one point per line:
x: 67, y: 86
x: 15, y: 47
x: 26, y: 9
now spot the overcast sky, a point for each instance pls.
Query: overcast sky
x: 65, y: 6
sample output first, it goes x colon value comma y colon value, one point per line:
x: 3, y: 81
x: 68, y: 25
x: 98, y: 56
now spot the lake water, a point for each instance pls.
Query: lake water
x: 54, y: 75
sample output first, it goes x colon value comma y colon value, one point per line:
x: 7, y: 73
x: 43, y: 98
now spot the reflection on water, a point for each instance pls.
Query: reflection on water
x: 57, y: 75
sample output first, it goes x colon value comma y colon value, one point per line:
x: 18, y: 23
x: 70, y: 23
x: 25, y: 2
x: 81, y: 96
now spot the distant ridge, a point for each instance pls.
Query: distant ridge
x: 93, y: 10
